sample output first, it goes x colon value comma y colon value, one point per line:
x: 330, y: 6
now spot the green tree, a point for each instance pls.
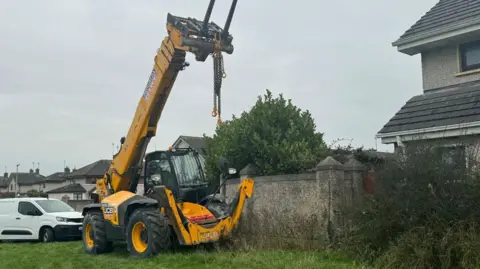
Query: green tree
x: 275, y: 135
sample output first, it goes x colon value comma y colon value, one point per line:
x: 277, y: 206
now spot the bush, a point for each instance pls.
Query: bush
x: 424, y: 214
x: 35, y: 193
x: 275, y: 135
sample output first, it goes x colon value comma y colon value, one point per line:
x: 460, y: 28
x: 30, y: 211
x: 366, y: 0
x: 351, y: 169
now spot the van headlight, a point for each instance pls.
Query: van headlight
x: 60, y: 219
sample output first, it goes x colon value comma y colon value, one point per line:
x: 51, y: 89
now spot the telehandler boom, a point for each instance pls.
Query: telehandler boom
x: 176, y: 207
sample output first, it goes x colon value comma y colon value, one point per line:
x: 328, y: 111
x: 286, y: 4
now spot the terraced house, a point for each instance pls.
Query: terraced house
x: 22, y: 182
x: 447, y: 38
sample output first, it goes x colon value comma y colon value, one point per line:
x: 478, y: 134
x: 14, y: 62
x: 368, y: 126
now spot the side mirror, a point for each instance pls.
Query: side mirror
x: 34, y: 213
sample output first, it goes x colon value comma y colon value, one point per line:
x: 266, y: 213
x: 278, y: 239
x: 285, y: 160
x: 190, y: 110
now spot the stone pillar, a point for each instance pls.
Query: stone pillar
x: 354, y: 180
x: 249, y: 171
x: 330, y: 177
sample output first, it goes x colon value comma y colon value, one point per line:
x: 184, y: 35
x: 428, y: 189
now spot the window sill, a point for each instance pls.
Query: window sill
x: 470, y: 72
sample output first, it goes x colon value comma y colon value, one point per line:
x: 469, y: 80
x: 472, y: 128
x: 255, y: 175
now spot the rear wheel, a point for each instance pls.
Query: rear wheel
x: 148, y: 233
x: 94, y: 234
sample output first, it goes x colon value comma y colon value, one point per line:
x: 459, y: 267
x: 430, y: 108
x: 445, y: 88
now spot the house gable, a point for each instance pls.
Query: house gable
x: 448, y: 107
x: 195, y: 142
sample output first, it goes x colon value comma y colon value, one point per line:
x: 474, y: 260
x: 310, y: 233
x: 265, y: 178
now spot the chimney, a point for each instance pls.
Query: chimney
x: 66, y: 170
x: 5, y: 174
x: 31, y: 171
x: 37, y: 171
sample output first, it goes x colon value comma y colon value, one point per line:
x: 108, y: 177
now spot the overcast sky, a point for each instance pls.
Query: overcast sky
x: 72, y: 72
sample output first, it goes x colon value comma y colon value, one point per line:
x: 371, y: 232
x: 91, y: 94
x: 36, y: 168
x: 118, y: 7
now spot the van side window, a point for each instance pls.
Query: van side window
x: 25, y: 207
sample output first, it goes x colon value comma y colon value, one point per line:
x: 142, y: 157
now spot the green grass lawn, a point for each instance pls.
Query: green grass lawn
x: 71, y: 255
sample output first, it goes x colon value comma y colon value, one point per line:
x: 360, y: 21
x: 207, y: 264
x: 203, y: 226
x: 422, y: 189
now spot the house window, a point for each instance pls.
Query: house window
x: 454, y: 156
x: 11, y: 187
x: 77, y: 196
x: 470, y: 56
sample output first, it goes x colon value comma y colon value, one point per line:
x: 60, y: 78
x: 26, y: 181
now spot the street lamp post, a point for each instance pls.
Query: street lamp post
x: 16, y: 182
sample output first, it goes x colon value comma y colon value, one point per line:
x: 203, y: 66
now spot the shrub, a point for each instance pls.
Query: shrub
x: 424, y: 214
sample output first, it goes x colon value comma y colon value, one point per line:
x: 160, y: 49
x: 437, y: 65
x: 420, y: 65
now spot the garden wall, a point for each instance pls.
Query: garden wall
x: 301, y: 210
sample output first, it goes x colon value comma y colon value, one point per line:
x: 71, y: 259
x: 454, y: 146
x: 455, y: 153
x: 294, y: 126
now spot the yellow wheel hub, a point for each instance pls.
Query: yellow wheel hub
x: 89, y: 235
x: 139, y: 237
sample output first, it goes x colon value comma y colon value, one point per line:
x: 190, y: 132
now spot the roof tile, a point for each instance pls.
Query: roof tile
x: 445, y: 13
x: 428, y: 110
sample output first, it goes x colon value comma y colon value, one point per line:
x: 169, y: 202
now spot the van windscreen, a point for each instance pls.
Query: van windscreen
x: 54, y: 206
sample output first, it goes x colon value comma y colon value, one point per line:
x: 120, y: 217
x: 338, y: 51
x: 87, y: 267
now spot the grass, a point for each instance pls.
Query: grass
x: 70, y: 255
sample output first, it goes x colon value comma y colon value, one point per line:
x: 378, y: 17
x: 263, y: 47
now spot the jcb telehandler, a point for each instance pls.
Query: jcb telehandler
x: 176, y: 204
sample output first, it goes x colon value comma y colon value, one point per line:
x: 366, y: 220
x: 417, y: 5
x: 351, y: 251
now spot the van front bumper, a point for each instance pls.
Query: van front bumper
x: 64, y: 232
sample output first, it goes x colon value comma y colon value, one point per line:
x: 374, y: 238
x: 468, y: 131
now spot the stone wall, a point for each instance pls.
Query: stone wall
x: 301, y: 210
x: 78, y: 205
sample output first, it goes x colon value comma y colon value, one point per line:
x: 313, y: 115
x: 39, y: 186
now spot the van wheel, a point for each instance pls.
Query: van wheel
x: 46, y: 235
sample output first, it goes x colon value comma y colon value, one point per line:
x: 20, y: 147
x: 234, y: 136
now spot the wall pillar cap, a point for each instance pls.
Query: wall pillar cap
x: 329, y: 163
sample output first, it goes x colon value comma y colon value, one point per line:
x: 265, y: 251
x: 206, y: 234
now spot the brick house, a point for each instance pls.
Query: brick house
x: 447, y: 112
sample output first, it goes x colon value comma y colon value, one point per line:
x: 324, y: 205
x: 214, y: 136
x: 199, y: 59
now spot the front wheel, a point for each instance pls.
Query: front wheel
x: 148, y: 233
x: 47, y: 235
x: 94, y: 234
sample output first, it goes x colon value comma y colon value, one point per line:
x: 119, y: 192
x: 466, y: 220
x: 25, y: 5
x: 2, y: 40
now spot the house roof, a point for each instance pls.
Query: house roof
x: 96, y: 169
x: 445, y: 14
x: 27, y: 179
x: 455, y: 106
x: 72, y: 188
x: 196, y: 142
x: 56, y: 177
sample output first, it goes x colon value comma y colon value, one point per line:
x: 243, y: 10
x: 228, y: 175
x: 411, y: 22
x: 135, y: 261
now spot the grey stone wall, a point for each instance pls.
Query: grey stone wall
x: 301, y: 210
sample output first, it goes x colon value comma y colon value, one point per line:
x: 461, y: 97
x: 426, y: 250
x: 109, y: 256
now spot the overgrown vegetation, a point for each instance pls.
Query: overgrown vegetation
x: 425, y: 213
x: 275, y: 135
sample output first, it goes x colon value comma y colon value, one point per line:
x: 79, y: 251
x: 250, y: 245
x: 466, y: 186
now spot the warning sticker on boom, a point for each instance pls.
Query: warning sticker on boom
x: 150, y: 83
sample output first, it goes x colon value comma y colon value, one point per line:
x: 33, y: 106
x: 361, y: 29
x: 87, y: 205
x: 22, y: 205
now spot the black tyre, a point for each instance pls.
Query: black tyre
x: 148, y: 233
x: 47, y: 235
x: 94, y: 234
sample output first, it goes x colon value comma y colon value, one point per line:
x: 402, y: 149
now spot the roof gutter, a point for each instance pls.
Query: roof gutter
x: 430, y: 130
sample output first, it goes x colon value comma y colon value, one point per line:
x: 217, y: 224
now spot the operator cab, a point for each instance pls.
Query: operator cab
x: 179, y: 170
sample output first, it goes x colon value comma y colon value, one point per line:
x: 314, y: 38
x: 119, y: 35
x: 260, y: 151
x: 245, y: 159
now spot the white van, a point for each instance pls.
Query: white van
x: 34, y: 218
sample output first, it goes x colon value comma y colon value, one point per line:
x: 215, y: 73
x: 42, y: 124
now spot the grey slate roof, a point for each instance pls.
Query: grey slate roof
x: 196, y: 142
x: 455, y: 106
x: 96, y: 169
x: 446, y: 13
x: 27, y: 179
x: 72, y: 188
x: 56, y: 177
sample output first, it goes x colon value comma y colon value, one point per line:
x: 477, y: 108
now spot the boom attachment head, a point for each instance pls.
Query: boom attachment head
x: 203, y: 38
